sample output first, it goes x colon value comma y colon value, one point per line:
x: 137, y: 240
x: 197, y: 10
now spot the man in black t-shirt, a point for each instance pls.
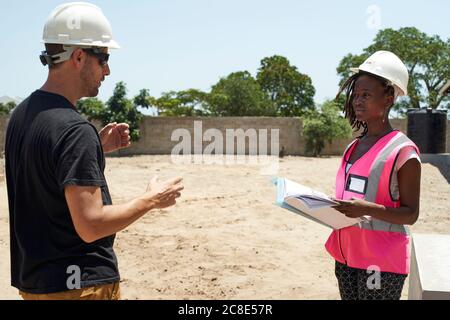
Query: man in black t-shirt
x: 62, y: 221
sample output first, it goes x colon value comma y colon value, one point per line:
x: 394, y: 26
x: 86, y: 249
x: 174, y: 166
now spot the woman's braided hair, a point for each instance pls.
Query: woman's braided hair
x: 348, y: 87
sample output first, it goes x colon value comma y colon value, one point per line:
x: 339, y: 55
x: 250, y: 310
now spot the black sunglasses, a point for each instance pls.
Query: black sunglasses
x: 101, y: 56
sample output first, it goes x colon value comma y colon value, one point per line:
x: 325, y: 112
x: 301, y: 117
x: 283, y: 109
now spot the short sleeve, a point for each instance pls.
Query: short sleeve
x: 406, y: 154
x: 78, y: 158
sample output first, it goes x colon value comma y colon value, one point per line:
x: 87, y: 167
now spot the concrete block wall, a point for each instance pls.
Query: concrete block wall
x: 156, y: 133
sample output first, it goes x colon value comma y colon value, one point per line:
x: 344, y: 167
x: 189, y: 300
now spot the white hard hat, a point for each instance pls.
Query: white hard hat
x: 79, y: 24
x: 388, y: 66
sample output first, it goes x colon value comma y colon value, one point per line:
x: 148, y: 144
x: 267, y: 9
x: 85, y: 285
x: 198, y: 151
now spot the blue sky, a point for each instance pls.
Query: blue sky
x: 174, y: 45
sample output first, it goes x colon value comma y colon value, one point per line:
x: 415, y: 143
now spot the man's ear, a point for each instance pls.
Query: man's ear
x: 78, y: 58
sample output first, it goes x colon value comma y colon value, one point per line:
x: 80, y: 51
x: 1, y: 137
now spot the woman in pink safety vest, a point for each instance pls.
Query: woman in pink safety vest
x: 379, y: 180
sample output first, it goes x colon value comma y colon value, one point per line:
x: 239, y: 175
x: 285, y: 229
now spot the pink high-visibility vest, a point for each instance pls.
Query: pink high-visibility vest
x: 372, y: 243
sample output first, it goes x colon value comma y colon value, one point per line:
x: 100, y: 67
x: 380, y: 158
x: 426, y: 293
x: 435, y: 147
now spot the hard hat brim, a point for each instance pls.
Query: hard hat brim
x: 110, y: 45
x: 113, y: 45
x: 403, y: 92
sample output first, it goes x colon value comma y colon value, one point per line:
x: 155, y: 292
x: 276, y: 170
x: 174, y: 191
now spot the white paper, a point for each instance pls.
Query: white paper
x: 316, y: 205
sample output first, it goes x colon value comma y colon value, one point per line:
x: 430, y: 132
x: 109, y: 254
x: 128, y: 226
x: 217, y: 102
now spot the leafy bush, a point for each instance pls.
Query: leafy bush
x: 324, y: 125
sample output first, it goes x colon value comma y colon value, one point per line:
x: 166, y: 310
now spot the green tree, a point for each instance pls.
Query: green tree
x: 187, y: 103
x: 92, y: 108
x: 324, y: 125
x: 120, y: 109
x: 239, y: 94
x: 144, y: 99
x: 289, y: 90
x: 6, y: 108
x: 427, y: 59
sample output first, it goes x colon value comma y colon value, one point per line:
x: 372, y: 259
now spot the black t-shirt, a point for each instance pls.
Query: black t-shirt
x: 49, y: 145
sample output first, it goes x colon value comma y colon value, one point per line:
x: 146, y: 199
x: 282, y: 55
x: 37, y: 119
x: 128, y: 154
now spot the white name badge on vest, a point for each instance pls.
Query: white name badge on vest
x: 357, y: 184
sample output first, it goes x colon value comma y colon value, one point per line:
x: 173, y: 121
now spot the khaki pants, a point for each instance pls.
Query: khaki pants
x: 104, y: 292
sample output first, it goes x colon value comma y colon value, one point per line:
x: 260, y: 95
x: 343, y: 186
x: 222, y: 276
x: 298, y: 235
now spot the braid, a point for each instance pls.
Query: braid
x: 348, y: 87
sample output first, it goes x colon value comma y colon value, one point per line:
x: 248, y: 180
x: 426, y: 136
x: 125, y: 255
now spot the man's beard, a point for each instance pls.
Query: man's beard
x: 90, y: 89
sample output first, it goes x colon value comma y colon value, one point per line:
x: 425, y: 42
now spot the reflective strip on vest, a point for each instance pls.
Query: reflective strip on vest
x: 372, y: 189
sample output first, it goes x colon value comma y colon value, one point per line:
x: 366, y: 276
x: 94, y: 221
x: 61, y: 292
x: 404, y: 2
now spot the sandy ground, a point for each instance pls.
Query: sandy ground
x: 225, y: 239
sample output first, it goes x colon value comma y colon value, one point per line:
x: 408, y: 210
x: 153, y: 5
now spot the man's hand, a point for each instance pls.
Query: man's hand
x: 93, y: 220
x: 163, y: 194
x: 115, y: 136
x: 355, y: 208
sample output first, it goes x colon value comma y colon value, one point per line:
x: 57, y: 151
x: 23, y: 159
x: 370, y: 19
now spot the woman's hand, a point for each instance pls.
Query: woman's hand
x: 355, y: 208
